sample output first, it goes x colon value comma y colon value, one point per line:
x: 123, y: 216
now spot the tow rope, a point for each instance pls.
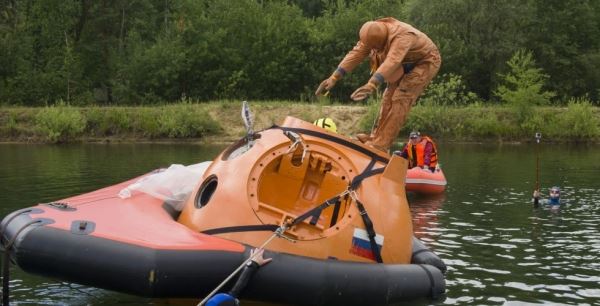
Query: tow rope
x: 315, y: 212
x: 278, y: 233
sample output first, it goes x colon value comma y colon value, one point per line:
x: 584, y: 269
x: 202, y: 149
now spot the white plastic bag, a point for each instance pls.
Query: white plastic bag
x: 172, y: 185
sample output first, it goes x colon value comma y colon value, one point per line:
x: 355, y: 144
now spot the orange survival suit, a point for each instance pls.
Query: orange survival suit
x: 402, y: 57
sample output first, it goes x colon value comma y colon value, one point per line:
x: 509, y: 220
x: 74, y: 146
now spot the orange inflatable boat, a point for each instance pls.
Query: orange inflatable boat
x: 337, y: 209
x: 425, y: 181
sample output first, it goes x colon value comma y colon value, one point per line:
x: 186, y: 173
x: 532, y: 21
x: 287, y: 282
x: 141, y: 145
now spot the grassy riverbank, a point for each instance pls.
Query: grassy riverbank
x: 220, y: 122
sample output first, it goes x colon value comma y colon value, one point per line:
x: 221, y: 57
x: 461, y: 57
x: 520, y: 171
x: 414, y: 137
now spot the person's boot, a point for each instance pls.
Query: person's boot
x: 363, y: 137
x: 380, y: 148
x: 385, y: 134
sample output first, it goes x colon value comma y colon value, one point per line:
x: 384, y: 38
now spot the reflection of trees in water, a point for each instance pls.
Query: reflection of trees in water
x: 424, y: 211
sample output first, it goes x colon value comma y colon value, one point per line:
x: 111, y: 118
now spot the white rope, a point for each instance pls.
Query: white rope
x: 278, y: 232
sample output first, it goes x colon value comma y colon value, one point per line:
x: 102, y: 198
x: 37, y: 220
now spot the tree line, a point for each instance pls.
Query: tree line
x: 138, y: 52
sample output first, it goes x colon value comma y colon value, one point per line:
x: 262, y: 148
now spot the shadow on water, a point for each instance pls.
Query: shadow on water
x: 498, y: 248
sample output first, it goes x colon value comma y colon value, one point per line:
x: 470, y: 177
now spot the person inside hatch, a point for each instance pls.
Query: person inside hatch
x: 402, y: 57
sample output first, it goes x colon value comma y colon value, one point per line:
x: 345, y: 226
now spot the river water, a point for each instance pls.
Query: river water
x: 499, y: 249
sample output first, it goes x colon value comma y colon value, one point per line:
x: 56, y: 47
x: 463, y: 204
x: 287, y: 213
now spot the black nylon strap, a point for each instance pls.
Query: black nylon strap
x: 337, y: 140
x: 336, y: 212
x: 374, y: 156
x: 242, y: 228
x: 272, y: 227
x: 365, y: 174
x: 312, y: 211
x: 357, y: 179
x: 370, y: 231
x: 334, y: 216
x: 315, y: 216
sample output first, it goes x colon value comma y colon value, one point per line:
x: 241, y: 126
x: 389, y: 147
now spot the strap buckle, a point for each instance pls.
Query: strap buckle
x: 296, y: 140
x: 280, y: 232
x: 353, y: 195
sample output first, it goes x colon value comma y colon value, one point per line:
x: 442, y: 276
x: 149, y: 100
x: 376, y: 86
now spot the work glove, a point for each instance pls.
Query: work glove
x: 363, y: 92
x: 326, y: 85
x: 257, y: 257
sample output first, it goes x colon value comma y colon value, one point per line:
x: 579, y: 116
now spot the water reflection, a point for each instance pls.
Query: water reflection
x: 425, y: 210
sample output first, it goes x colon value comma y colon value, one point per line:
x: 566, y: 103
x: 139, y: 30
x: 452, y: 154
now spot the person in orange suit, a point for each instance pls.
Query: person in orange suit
x: 402, y: 57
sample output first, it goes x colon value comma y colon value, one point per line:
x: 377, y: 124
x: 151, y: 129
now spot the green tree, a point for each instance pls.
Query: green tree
x: 102, y: 35
x: 144, y: 51
x: 448, y: 89
x: 475, y: 37
x: 565, y: 36
x: 37, y: 74
x: 8, y: 54
x: 310, y: 8
x: 522, y: 86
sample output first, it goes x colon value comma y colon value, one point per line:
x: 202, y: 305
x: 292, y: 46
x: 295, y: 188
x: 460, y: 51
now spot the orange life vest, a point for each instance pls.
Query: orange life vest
x: 419, y: 159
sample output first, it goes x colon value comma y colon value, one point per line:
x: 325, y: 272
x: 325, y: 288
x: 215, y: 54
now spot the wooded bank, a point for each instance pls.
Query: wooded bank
x: 221, y: 122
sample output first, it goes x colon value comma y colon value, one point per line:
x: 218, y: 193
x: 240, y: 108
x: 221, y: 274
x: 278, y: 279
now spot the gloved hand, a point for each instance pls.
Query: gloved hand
x: 363, y: 92
x: 536, y: 193
x: 258, y: 257
x: 327, y: 84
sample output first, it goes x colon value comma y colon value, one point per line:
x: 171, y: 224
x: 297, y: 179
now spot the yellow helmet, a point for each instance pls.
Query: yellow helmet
x: 326, y: 123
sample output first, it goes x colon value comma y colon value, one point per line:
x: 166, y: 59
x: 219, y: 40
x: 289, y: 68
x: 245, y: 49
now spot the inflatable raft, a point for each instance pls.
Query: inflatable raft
x: 345, y: 234
x: 425, y: 181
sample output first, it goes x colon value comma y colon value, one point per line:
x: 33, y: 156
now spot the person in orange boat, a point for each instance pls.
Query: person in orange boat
x: 230, y: 298
x: 402, y: 57
x: 420, y: 152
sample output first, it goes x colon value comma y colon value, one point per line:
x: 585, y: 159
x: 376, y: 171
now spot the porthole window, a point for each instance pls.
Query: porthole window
x: 207, y: 189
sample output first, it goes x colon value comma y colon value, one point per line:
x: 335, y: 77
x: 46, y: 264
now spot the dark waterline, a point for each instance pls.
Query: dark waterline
x: 499, y: 249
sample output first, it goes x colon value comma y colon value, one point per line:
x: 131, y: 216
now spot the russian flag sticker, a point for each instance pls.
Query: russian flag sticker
x: 361, y: 246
